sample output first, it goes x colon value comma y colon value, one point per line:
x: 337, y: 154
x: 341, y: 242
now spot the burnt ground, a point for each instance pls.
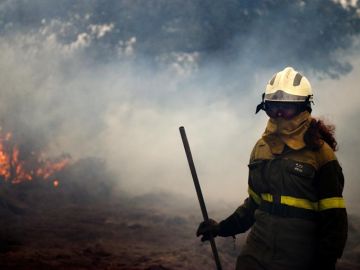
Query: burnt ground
x: 46, y: 228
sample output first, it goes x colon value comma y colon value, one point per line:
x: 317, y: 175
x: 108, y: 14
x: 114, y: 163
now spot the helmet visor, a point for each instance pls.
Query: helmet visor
x: 286, y: 110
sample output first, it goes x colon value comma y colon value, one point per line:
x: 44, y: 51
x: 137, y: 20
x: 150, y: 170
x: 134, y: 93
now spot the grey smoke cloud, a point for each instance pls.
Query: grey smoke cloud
x: 127, y: 117
x: 129, y: 113
x: 338, y: 101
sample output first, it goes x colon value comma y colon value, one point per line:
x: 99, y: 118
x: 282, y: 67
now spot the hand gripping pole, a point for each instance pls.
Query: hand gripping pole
x: 199, y: 193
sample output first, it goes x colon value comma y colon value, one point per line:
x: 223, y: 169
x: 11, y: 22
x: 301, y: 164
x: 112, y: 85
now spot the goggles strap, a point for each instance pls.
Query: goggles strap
x: 309, y: 99
x: 261, y: 106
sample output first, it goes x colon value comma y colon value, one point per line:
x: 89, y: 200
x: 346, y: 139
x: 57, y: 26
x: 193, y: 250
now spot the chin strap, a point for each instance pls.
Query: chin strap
x: 261, y: 106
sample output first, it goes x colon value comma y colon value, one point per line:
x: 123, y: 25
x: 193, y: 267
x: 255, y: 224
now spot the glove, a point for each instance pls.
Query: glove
x: 207, y: 229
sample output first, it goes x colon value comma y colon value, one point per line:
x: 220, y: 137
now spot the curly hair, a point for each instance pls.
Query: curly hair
x: 319, y: 132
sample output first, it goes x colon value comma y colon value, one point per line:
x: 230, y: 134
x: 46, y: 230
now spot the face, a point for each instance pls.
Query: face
x: 286, y: 110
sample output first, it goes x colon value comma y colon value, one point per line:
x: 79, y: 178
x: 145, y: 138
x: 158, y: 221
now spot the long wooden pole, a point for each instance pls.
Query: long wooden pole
x: 199, y: 193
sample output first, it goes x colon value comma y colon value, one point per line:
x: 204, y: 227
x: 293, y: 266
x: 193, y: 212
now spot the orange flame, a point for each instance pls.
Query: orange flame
x: 56, y: 183
x: 15, y: 170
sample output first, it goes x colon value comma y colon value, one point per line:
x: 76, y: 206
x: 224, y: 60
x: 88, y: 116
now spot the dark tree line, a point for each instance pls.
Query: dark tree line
x: 307, y: 34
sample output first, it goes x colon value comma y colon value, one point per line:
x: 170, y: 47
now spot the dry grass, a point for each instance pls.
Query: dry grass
x: 51, y: 229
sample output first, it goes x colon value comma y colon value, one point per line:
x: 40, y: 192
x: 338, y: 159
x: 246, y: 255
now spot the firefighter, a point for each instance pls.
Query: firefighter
x: 295, y: 207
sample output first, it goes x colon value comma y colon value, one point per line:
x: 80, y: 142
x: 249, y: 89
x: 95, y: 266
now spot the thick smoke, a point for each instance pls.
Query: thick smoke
x: 115, y: 80
x: 305, y: 33
x: 338, y: 102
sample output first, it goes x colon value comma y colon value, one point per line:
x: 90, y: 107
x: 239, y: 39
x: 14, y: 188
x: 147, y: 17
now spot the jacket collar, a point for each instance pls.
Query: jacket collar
x: 280, y: 132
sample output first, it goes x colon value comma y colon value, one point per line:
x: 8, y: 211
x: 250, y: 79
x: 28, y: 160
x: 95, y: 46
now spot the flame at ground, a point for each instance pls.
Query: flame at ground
x: 56, y: 183
x: 15, y: 169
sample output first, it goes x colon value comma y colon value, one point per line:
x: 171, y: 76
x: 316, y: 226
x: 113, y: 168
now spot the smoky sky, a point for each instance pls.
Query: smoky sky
x: 115, y: 80
x: 269, y: 33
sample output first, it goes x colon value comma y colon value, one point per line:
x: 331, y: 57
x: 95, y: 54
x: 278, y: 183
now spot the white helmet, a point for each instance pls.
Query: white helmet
x: 287, y: 85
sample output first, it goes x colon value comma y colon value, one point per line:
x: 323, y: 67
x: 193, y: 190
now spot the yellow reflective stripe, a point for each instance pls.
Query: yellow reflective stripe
x: 267, y: 197
x: 329, y: 203
x: 299, y: 203
x: 292, y: 201
x: 253, y: 195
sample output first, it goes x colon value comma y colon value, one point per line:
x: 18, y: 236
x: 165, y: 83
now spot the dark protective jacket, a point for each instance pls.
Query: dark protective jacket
x: 295, y: 208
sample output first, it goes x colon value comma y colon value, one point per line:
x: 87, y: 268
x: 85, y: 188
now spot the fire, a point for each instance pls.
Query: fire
x: 15, y: 169
x: 56, y: 183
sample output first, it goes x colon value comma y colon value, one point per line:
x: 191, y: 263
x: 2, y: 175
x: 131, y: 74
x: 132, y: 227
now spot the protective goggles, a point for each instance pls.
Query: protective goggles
x: 286, y: 110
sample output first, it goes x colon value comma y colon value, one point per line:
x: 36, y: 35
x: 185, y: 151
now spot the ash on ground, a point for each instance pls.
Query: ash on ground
x: 82, y: 224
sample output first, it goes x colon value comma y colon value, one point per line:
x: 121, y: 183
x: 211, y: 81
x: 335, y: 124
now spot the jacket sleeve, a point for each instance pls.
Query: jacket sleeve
x: 241, y: 220
x: 333, y: 224
x: 243, y: 217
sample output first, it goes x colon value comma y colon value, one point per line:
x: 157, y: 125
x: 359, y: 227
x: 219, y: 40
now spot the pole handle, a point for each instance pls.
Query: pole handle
x: 198, y: 192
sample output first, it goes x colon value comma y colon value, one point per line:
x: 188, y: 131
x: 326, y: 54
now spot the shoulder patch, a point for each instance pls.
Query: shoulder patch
x: 261, y: 150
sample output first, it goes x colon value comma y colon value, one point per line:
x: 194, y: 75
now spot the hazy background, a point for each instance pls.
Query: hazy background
x: 115, y: 80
